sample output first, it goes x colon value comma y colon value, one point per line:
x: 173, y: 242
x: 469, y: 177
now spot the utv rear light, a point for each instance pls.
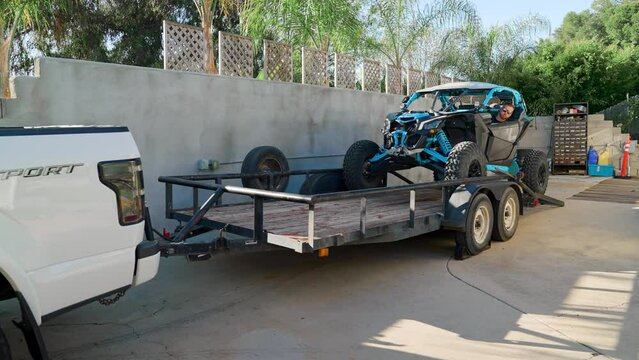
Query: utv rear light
x: 124, y: 177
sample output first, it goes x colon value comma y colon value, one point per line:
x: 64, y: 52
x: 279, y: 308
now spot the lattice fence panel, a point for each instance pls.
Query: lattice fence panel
x: 314, y: 67
x: 184, y: 47
x: 414, y: 81
x: 393, y: 79
x: 446, y: 80
x: 371, y: 75
x: 432, y: 79
x: 278, y: 61
x: 235, y: 55
x: 345, y: 76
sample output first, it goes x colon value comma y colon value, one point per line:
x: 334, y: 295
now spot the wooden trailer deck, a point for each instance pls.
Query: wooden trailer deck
x: 378, y: 218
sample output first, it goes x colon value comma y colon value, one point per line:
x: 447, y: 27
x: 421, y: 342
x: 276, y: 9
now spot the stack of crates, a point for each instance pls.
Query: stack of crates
x: 570, y: 139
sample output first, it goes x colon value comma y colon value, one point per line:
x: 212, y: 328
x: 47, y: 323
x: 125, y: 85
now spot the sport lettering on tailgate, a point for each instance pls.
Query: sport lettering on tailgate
x: 39, y: 171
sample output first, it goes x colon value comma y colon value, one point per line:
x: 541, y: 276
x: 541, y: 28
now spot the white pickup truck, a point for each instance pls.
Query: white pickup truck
x: 71, y: 220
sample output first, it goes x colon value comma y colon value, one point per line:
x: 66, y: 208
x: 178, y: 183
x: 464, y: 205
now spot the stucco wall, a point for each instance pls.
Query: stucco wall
x: 177, y: 117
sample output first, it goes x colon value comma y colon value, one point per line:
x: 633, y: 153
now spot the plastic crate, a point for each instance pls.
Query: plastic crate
x: 601, y: 170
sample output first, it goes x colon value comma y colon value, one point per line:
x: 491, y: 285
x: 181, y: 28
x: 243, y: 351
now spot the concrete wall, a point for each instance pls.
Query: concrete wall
x: 177, y: 117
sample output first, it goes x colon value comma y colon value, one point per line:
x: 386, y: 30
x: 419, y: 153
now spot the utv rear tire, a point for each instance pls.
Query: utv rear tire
x: 323, y: 183
x: 265, y: 159
x: 356, y: 166
x: 506, y: 216
x: 465, y: 160
x: 535, y: 168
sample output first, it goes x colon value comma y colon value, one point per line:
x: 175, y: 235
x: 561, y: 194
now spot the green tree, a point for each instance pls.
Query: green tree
x: 322, y: 24
x: 486, y: 55
x: 582, y: 71
x: 119, y: 31
x: 17, y: 15
x: 396, y: 28
x: 610, y: 22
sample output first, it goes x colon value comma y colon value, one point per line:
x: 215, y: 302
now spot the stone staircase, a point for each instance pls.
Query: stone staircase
x: 603, y: 135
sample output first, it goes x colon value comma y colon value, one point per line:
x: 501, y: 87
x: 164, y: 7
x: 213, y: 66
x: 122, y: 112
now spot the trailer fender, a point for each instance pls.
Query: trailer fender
x: 459, y: 201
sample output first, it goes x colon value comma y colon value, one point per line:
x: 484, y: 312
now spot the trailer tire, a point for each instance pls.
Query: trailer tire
x: 535, y: 168
x: 356, y: 165
x: 465, y: 160
x: 323, y: 183
x: 506, y: 216
x: 265, y: 159
x: 478, y: 229
x: 5, y: 351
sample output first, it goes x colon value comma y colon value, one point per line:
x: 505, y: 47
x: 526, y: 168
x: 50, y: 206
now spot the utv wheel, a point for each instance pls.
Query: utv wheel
x: 323, y: 183
x: 479, y: 226
x: 264, y: 160
x: 506, y: 216
x: 535, y: 170
x: 357, y: 169
x: 465, y: 160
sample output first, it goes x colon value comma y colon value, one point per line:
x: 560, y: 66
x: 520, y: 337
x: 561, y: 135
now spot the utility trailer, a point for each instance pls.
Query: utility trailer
x: 477, y: 209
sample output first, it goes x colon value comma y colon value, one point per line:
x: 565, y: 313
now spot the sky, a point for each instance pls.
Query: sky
x: 494, y: 12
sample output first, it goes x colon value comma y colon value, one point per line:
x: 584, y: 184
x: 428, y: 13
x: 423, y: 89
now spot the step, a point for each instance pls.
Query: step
x: 598, y: 125
x: 600, y: 138
x: 596, y: 117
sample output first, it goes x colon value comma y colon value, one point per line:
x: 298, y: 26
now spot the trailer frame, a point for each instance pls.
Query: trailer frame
x: 455, y: 197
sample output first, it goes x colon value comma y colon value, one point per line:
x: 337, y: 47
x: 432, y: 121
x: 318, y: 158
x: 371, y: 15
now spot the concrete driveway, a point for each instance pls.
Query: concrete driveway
x: 565, y: 287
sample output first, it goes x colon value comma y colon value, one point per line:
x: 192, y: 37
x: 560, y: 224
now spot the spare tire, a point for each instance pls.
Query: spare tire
x: 357, y: 174
x: 323, y: 183
x: 465, y: 160
x: 265, y: 160
x: 535, y: 168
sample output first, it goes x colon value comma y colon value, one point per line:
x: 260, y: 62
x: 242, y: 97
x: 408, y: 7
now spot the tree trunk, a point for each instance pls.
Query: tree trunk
x: 206, y: 16
x: 4, y: 68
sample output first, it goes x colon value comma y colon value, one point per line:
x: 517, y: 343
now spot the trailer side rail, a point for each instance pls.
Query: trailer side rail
x: 414, y: 225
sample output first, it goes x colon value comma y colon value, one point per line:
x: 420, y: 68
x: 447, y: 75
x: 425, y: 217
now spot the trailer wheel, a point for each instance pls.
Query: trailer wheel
x: 479, y: 226
x: 535, y: 168
x: 323, y: 183
x: 5, y: 351
x: 465, y: 160
x: 506, y: 216
x: 357, y: 173
x: 264, y: 160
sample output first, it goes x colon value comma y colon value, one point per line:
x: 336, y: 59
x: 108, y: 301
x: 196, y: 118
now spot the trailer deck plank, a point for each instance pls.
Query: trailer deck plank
x: 331, y: 218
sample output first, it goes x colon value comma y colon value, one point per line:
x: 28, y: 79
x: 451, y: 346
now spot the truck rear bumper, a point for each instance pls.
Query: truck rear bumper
x: 147, y: 256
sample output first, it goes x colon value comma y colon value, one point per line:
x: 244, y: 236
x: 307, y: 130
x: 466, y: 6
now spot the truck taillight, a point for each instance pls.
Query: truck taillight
x: 124, y: 177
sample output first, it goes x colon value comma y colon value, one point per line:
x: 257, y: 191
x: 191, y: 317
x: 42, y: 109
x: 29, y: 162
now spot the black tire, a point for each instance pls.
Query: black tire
x: 438, y: 176
x: 506, y: 216
x: 5, y: 351
x: 323, y: 183
x: 479, y: 226
x: 535, y: 168
x: 356, y: 166
x: 265, y: 159
x: 465, y: 160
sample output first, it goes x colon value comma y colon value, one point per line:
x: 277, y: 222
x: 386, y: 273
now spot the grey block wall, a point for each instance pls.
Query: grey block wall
x: 177, y: 118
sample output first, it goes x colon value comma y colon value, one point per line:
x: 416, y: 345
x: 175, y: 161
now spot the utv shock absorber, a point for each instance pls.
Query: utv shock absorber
x: 443, y: 142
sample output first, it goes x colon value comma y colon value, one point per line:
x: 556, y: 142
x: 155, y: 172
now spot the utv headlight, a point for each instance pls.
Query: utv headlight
x: 428, y: 125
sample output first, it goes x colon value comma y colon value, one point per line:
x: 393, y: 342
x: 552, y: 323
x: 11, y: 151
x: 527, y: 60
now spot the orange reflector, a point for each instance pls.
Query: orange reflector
x: 323, y: 252
x: 432, y: 131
